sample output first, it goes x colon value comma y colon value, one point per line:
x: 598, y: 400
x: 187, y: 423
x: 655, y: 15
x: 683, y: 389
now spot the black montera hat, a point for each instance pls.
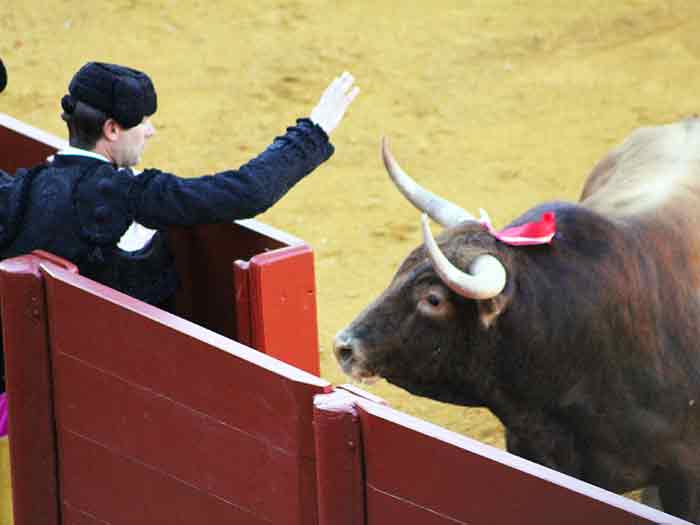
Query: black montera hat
x: 125, y: 94
x: 3, y: 76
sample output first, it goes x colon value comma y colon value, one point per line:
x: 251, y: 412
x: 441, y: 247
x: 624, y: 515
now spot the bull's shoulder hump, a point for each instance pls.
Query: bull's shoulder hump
x: 655, y: 167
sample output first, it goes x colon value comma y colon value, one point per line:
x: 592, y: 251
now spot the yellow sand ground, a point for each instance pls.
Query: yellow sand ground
x: 498, y: 104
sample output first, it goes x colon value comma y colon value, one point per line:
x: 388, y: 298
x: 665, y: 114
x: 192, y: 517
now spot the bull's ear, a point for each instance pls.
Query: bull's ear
x: 491, y: 309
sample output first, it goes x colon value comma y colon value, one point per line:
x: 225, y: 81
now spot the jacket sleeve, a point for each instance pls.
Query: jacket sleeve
x: 14, y: 197
x: 159, y: 199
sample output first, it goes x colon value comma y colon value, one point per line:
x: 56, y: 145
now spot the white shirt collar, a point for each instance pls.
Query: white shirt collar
x: 70, y: 150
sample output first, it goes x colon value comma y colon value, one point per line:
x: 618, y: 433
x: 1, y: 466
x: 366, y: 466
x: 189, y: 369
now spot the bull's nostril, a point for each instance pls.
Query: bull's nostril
x: 344, y: 355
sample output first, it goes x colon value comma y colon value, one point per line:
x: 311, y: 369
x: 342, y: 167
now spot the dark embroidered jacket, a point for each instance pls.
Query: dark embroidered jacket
x: 79, y: 207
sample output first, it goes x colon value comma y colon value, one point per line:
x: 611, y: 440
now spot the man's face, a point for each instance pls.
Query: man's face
x: 127, y: 149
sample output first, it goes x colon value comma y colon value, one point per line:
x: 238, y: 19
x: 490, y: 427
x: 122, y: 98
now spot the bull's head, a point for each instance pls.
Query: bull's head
x: 445, y: 296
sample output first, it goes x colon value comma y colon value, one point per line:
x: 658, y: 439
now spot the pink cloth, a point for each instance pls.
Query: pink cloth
x: 3, y: 414
x: 528, y: 234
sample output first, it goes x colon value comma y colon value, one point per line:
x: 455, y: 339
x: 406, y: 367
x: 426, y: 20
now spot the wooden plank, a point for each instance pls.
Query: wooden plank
x: 387, y: 508
x: 156, y: 350
x: 29, y: 384
x: 104, y: 488
x: 24, y: 146
x: 180, y: 400
x: 283, y: 306
x: 72, y: 516
x: 142, y: 426
x: 425, y: 474
x: 339, y: 468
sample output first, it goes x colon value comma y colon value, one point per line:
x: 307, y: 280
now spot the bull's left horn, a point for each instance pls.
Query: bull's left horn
x: 440, y: 210
x: 487, y: 276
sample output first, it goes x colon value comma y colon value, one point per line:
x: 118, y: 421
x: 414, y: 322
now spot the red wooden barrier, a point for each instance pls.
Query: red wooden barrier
x: 162, y: 421
x: 23, y: 146
x: 418, y: 473
x: 159, y: 421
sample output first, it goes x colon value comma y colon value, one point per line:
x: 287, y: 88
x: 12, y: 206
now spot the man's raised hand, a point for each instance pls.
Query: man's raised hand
x: 334, y: 102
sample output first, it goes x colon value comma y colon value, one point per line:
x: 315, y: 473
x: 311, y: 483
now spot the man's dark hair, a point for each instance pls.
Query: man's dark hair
x: 84, y: 124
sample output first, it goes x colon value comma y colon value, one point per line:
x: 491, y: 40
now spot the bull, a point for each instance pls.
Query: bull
x: 587, y: 347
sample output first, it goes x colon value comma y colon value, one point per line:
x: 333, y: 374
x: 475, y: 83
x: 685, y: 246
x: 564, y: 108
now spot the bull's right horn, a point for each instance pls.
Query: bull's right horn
x: 440, y: 210
x: 486, y: 280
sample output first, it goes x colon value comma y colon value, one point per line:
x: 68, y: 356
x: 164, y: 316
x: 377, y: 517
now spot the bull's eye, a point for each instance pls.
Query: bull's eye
x: 433, y: 299
x: 434, y: 302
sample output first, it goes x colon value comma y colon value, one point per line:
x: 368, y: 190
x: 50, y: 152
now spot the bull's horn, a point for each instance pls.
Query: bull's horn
x: 440, y: 210
x: 486, y: 279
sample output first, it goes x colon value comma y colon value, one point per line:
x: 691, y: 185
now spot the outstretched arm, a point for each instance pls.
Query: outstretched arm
x: 160, y: 199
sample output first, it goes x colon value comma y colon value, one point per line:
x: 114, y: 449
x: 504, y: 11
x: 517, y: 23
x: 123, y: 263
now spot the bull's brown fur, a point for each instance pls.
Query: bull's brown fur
x: 591, y: 354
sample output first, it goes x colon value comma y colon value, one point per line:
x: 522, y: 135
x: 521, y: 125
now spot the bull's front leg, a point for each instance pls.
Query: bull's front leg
x: 679, y: 491
x: 650, y: 497
x: 545, y: 442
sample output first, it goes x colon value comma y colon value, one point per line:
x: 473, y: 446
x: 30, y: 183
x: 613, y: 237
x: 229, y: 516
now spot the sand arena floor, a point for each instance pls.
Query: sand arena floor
x: 498, y: 105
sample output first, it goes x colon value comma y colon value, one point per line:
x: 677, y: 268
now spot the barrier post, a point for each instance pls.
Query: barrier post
x: 283, y: 306
x: 339, y: 471
x: 30, y: 390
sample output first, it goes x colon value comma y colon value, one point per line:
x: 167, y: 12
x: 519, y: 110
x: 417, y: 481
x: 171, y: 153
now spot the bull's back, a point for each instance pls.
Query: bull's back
x: 656, y: 170
x: 649, y: 186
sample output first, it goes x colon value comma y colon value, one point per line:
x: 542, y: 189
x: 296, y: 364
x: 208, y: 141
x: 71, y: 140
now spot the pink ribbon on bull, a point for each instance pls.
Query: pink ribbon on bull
x: 3, y: 415
x: 528, y: 234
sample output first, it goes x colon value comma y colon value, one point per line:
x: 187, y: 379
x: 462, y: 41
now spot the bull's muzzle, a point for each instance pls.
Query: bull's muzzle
x: 351, y: 355
x: 344, y: 351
